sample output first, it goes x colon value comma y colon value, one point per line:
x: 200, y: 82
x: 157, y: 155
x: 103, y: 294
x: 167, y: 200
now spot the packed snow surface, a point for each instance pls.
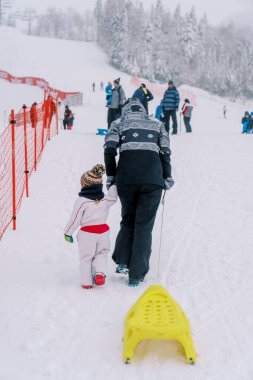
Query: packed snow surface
x: 52, y: 329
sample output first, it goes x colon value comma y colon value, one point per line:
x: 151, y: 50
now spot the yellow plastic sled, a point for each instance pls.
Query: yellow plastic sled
x: 156, y: 315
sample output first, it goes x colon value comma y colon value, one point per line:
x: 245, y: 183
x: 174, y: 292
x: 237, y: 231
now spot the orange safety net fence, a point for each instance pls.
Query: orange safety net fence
x: 21, y: 146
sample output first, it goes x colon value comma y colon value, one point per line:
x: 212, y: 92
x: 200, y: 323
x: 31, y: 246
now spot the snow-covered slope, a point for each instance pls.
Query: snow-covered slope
x: 66, y: 65
x: 49, y: 327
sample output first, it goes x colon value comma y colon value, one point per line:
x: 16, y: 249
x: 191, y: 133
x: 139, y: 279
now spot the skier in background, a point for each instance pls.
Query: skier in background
x: 102, y: 86
x: 90, y: 212
x: 117, y: 100
x: 225, y: 112
x: 143, y: 171
x: 33, y: 115
x: 93, y: 86
x: 144, y: 95
x: 171, y: 102
x: 245, y: 121
x: 187, y: 113
x: 108, y: 92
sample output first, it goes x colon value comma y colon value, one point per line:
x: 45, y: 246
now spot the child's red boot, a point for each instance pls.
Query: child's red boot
x: 99, y: 279
x: 86, y: 286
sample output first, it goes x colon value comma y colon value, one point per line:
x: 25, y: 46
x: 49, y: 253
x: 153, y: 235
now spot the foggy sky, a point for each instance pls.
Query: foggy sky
x: 239, y: 11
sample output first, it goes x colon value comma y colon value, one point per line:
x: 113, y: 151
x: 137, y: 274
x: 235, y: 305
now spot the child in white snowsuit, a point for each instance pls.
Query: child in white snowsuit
x: 90, y: 212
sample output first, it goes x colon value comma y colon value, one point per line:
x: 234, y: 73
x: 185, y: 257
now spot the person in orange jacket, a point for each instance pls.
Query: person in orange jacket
x: 49, y: 108
x: 46, y: 111
x: 33, y: 115
x: 52, y: 108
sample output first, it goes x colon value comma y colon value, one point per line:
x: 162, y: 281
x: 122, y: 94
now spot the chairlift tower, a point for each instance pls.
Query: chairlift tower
x: 29, y: 16
x: 5, y: 5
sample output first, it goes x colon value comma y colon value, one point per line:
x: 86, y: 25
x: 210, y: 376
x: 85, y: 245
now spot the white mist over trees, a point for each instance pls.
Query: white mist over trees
x: 158, y: 44
x: 69, y: 25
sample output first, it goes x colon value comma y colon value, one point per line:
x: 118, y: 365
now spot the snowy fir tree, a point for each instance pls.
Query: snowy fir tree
x: 118, y: 48
x: 159, y: 44
x: 178, y: 46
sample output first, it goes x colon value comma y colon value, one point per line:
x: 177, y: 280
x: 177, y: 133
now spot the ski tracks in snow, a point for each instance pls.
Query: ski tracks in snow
x: 179, y: 250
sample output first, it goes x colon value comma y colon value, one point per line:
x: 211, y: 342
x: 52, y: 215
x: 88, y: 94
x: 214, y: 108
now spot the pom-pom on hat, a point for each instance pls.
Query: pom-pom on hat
x: 93, y: 176
x: 117, y: 81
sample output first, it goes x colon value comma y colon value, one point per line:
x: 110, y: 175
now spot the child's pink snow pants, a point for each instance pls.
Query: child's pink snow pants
x: 93, y: 252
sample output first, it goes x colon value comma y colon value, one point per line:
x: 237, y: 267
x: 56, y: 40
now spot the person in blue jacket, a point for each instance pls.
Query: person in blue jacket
x: 171, y: 102
x: 245, y: 121
x: 144, y: 95
x: 159, y: 111
x: 250, y: 124
x: 108, y: 92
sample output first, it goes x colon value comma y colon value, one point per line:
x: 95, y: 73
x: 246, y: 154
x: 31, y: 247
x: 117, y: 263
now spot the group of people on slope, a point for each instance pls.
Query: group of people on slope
x: 142, y: 173
x: 101, y: 85
x: 247, y: 122
x: 65, y: 115
x: 166, y: 110
x: 49, y: 110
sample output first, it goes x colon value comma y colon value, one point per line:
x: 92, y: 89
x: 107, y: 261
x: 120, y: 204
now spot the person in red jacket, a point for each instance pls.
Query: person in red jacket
x: 33, y: 115
x: 187, y: 113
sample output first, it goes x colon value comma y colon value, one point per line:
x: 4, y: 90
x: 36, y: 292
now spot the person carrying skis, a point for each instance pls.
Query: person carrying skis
x: 90, y: 212
x: 144, y: 95
x: 245, y: 121
x: 143, y: 171
x: 108, y: 92
x: 33, y: 115
x: 171, y: 102
x: 187, y: 113
x: 118, y: 98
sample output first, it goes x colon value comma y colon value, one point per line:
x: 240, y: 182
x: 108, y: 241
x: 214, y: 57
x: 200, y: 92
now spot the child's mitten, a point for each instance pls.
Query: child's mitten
x: 68, y: 238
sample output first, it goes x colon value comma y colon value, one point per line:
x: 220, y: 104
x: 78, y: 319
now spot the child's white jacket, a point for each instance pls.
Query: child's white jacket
x: 87, y: 212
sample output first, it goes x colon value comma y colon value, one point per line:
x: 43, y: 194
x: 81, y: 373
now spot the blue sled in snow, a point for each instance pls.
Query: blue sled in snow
x: 102, y: 132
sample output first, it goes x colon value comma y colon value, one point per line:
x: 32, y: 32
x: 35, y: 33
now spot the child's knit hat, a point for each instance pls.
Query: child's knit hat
x: 93, y: 176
